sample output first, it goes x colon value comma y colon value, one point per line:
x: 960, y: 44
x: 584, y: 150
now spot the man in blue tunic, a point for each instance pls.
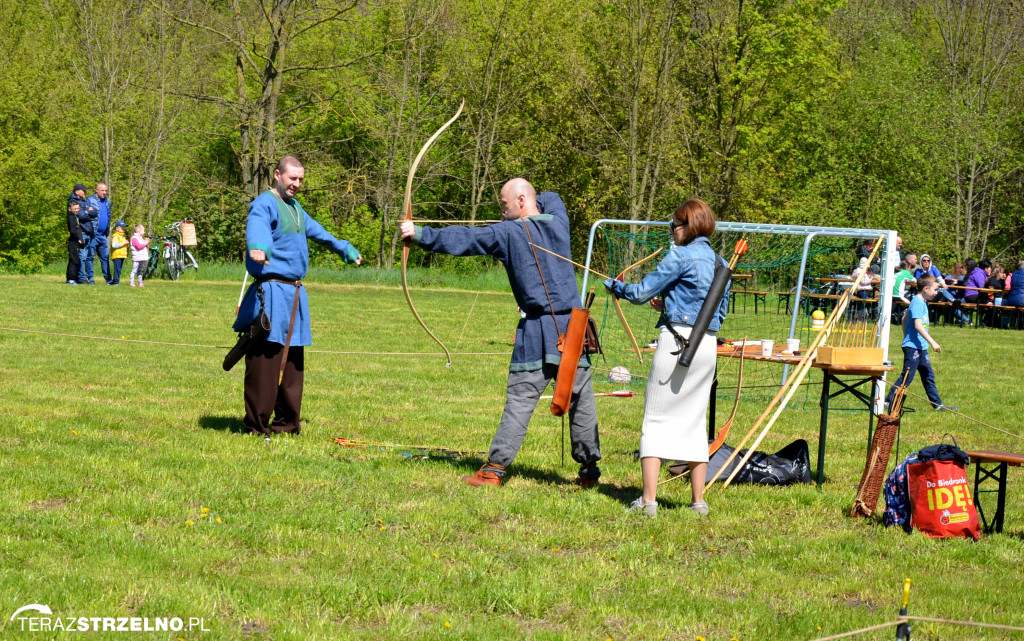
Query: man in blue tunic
x: 545, y: 289
x: 278, y: 256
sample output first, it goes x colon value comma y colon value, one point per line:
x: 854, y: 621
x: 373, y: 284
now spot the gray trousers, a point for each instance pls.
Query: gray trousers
x: 524, y: 390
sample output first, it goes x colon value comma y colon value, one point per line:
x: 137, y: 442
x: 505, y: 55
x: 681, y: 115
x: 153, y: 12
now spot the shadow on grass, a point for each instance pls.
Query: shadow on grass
x: 231, y: 424
x: 542, y: 475
x: 466, y: 463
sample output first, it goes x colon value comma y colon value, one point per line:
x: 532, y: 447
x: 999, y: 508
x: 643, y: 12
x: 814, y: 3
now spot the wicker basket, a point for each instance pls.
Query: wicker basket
x: 875, y: 468
x: 188, y: 235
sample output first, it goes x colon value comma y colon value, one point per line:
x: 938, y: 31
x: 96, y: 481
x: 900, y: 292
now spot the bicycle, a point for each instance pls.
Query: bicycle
x: 175, y: 255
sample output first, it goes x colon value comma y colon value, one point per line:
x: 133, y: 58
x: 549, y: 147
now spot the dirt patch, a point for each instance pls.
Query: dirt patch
x: 48, y: 504
x: 853, y: 601
x: 253, y: 627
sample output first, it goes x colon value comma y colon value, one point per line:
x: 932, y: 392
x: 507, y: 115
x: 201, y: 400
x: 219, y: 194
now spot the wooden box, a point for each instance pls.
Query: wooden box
x: 868, y: 356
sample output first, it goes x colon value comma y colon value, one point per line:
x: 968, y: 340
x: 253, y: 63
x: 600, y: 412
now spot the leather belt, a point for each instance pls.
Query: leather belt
x: 297, y: 283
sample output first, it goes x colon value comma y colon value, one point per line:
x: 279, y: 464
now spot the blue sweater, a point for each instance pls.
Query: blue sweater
x: 507, y: 241
x: 1016, y: 296
x: 280, y: 229
x: 102, y: 208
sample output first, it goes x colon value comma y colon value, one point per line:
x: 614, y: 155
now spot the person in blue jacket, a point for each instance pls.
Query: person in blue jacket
x: 101, y: 204
x: 1016, y: 296
x: 544, y: 287
x: 676, y: 403
x: 278, y: 257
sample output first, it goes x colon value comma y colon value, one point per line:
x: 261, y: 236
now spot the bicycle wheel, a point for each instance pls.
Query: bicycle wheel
x: 174, y: 267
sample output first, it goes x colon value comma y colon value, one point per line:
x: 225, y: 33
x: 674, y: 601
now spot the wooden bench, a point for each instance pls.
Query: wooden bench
x: 990, y: 312
x: 758, y: 296
x: 999, y: 461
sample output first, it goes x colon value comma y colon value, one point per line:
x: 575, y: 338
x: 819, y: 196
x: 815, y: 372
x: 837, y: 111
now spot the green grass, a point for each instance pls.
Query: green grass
x: 110, y: 448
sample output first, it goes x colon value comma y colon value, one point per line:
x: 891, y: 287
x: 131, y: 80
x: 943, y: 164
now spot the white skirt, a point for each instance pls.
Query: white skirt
x: 676, y: 404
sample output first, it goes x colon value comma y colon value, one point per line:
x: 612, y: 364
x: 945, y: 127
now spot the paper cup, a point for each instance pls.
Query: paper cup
x: 766, y: 347
x: 793, y: 345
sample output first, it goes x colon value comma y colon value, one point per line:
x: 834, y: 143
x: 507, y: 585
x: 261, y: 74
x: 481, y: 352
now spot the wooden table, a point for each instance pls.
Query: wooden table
x: 830, y: 374
x: 998, y: 474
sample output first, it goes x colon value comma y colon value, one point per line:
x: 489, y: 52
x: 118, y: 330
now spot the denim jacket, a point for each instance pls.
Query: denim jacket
x: 682, y: 278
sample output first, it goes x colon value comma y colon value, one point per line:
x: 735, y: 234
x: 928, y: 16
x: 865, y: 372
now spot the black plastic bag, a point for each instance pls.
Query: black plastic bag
x: 791, y: 464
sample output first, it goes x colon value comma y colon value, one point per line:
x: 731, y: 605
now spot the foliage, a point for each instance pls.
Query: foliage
x: 898, y: 115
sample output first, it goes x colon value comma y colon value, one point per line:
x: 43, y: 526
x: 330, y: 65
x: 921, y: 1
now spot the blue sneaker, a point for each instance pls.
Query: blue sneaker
x: 72, y: 282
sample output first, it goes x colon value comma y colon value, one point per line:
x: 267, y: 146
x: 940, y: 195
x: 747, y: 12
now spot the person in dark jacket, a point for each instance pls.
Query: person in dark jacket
x: 87, y: 216
x: 75, y: 242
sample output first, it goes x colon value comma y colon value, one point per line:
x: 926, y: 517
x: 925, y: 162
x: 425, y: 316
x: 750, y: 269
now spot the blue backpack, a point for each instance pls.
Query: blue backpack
x: 897, y: 496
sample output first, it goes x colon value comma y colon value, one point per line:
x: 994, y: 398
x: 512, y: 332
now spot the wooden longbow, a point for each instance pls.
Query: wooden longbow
x: 408, y: 216
x: 618, y: 306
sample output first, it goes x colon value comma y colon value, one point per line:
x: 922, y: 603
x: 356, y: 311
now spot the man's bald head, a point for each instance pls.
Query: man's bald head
x: 518, y: 199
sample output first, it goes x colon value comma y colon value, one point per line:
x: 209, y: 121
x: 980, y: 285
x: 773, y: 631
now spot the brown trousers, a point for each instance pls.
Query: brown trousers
x: 263, y: 396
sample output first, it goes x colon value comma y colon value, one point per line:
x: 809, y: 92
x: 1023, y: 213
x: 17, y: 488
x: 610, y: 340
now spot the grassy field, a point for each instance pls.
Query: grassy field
x: 126, y: 488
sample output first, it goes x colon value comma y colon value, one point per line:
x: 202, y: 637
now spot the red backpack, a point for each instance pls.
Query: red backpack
x: 941, y: 505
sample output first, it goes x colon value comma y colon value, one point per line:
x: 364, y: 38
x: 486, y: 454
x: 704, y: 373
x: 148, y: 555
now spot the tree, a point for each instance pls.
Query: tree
x: 979, y: 63
x: 276, y: 50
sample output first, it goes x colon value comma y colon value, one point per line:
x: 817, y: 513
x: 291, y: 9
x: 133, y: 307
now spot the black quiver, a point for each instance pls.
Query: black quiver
x: 719, y: 283
x: 257, y: 331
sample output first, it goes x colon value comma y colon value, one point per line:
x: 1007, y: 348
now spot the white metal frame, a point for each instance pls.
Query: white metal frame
x: 889, y: 261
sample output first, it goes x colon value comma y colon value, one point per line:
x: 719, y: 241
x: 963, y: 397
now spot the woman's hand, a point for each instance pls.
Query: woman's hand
x: 657, y: 304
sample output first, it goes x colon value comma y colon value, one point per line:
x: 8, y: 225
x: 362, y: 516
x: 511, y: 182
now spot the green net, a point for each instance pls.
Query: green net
x: 763, y: 293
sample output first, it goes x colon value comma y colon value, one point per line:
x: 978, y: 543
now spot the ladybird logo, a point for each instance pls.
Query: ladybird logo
x: 947, y: 518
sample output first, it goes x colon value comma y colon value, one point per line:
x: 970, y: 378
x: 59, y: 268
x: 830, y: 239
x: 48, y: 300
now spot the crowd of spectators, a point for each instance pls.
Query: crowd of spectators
x: 970, y: 282
x: 89, y: 230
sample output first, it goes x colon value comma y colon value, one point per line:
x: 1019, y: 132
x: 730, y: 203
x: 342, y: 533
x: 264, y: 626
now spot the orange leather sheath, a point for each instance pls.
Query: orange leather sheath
x: 572, y: 350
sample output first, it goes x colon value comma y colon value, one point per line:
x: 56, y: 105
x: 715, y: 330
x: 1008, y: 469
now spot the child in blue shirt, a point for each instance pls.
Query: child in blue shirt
x: 916, y: 341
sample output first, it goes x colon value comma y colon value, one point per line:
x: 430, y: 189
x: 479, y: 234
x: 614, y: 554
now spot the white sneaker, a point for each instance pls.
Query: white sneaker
x: 650, y: 509
x: 701, y: 508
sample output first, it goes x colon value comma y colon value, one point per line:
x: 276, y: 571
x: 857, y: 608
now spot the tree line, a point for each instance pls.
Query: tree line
x: 900, y: 114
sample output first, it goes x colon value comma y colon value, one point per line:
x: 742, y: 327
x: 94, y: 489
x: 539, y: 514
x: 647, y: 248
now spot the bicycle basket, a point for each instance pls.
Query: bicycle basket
x: 188, y: 235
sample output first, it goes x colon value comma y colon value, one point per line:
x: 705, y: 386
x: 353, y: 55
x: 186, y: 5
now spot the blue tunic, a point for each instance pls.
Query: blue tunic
x: 280, y: 229
x: 536, y: 335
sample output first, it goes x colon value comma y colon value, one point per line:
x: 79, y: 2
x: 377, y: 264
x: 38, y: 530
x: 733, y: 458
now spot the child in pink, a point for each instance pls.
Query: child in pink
x: 140, y: 254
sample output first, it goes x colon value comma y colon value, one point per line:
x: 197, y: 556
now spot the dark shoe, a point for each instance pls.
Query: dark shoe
x: 589, y: 476
x: 947, y: 408
x: 489, y: 474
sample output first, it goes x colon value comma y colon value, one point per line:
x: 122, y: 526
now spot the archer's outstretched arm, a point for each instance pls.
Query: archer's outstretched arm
x: 458, y: 240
